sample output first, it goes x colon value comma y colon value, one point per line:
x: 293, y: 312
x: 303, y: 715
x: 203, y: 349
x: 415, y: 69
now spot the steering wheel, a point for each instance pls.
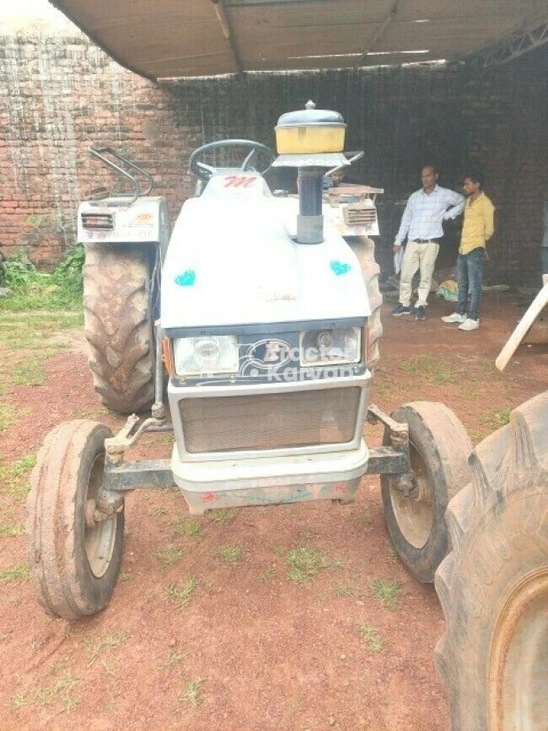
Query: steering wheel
x: 204, y: 172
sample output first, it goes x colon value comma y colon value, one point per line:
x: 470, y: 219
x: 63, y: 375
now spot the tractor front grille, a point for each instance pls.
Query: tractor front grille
x: 270, y: 421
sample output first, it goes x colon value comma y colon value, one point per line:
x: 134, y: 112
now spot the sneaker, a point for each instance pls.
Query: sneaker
x: 469, y: 324
x: 420, y: 313
x: 400, y: 310
x: 455, y: 317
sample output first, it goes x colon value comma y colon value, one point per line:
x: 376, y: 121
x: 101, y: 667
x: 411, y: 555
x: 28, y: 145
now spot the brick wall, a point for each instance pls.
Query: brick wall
x: 64, y: 95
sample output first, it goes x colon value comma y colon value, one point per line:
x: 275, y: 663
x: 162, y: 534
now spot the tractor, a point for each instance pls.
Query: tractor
x: 254, y: 343
x: 266, y: 336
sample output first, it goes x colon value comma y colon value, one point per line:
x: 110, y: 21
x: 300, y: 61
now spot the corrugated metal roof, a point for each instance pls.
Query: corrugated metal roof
x: 181, y: 38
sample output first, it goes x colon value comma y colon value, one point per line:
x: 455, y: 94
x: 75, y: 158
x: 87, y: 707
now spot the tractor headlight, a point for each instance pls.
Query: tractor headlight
x: 206, y: 355
x: 328, y: 346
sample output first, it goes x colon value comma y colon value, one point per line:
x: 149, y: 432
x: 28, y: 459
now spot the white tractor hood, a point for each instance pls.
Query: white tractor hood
x: 231, y: 262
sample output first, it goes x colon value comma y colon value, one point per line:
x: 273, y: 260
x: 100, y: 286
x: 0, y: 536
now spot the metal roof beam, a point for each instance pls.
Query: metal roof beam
x: 381, y: 30
x: 516, y: 46
x: 226, y: 29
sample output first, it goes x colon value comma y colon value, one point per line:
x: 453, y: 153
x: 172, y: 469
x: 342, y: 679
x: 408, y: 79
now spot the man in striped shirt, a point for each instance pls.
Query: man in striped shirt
x: 421, y: 223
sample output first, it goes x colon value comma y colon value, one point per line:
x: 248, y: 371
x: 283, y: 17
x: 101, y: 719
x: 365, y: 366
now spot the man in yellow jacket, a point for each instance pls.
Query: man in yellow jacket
x: 477, y: 229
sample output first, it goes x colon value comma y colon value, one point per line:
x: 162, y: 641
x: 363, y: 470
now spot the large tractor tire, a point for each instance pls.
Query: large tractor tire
x: 439, y: 448
x: 119, y: 328
x: 364, y: 249
x: 493, y: 586
x: 74, y: 558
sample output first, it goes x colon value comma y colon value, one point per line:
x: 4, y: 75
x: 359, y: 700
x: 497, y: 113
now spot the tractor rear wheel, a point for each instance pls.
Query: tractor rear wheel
x: 364, y: 249
x: 439, y: 448
x: 119, y: 327
x: 493, y: 586
x: 74, y: 553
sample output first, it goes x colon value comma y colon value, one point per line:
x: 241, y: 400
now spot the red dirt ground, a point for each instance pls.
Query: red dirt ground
x: 266, y: 653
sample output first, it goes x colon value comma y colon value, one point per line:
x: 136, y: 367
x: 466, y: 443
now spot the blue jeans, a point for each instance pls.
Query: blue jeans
x: 470, y: 275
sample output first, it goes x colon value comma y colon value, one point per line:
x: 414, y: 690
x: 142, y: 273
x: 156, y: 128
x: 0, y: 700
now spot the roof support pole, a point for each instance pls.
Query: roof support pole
x: 227, y: 33
x: 377, y: 35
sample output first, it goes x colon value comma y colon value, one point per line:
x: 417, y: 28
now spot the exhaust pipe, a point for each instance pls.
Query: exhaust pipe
x: 310, y: 218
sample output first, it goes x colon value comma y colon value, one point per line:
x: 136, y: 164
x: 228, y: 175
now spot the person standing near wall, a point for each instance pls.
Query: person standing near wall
x: 422, y: 224
x: 334, y: 179
x: 477, y: 229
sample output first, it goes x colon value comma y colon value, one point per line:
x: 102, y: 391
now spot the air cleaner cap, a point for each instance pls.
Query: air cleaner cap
x: 310, y: 116
x: 310, y: 130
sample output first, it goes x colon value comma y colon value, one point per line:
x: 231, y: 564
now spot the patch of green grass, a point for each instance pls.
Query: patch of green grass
x: 19, y: 572
x: 344, y: 589
x: 110, y: 705
x: 31, y: 331
x: 174, y: 658
x: 12, y: 529
x: 496, y: 419
x: 268, y: 575
x: 181, y: 595
x: 169, y: 556
x: 231, y: 554
x: 489, y: 424
x: 371, y: 637
x: 305, y: 564
x: 109, y: 672
x: 59, y: 690
x: 20, y: 700
x: 110, y: 641
x: 489, y: 368
x: 184, y: 527
x: 60, y: 666
x: 430, y: 370
x: 40, y: 294
x: 33, y: 290
x: 158, y: 510
x: 31, y: 373
x: 194, y: 529
x: 193, y: 693
x: 388, y: 593
x: 124, y: 576
x: 23, y: 466
x: 164, y: 438
x: 8, y: 415
x: 15, y: 476
x: 223, y: 516
x: 179, y: 528
x: 366, y: 518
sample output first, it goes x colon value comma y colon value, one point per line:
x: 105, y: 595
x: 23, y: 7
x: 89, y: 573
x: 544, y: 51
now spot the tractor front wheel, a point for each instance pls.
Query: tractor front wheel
x: 439, y: 448
x: 74, y: 552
